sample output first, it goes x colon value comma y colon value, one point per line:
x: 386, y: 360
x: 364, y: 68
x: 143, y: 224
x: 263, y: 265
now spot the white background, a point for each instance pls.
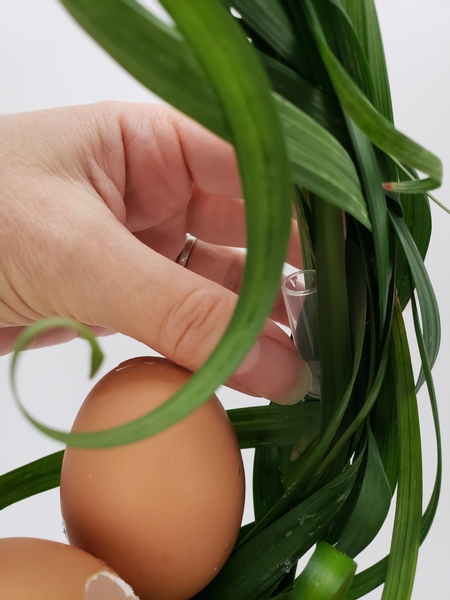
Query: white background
x: 47, y: 61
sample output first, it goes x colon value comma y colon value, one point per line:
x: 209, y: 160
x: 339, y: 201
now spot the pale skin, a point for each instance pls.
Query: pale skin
x: 95, y: 204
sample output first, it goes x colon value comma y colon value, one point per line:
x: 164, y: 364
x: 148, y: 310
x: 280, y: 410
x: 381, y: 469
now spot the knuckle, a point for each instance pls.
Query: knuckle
x: 192, y: 326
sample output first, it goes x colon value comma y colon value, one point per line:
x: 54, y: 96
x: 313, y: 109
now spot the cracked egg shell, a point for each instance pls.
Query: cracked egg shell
x: 37, y: 569
x: 163, y: 512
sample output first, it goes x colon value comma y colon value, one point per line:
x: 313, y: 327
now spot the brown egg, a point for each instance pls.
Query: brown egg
x: 35, y: 569
x: 164, y: 512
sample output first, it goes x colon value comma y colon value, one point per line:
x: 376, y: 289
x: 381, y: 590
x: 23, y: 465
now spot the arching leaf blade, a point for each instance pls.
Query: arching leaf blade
x: 30, y: 479
x: 377, y: 127
x: 371, y: 507
x: 428, y: 304
x: 159, y: 57
x: 365, y: 21
x: 241, y: 84
x: 376, y: 205
x: 249, y: 572
x: 407, y: 522
x: 320, y: 164
x: 153, y: 53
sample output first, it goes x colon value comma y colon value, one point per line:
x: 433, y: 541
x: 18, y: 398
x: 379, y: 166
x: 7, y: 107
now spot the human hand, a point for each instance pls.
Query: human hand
x: 96, y: 202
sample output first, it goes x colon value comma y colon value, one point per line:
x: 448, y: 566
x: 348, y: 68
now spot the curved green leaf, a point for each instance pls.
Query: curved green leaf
x: 376, y: 204
x: 239, y: 81
x: 417, y: 217
x: 320, y: 164
x: 364, y: 17
x: 299, y: 480
x: 158, y: 57
x: 407, y: 523
x: 250, y: 571
x: 377, y: 127
x: 154, y: 53
x: 371, y: 578
x: 255, y: 426
x: 371, y: 507
x: 308, y: 98
x: 427, y: 299
x: 270, y: 21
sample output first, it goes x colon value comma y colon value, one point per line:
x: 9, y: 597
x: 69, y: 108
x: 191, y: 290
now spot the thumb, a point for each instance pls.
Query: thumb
x: 129, y: 288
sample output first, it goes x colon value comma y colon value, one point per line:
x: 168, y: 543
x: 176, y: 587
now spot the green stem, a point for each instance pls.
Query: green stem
x: 334, y: 325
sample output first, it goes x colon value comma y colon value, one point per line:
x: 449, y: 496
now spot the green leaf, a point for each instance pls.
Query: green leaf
x: 308, y: 98
x: 417, y: 217
x: 431, y: 509
x: 261, y: 562
x: 372, y: 504
x: 276, y: 425
x: 159, y: 57
x: 239, y: 81
x: 376, y: 203
x: 300, y: 480
x: 365, y: 22
x: 271, y: 22
x: 44, y: 325
x: 377, y: 127
x: 407, y: 523
x: 320, y: 164
x: 31, y: 479
x: 344, y: 43
x: 374, y: 576
x: 427, y: 299
x: 154, y: 53
x: 267, y: 486
x: 327, y: 576
x: 384, y: 424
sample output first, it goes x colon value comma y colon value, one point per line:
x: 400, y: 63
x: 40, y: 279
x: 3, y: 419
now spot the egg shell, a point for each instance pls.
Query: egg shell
x: 163, y: 512
x: 37, y: 569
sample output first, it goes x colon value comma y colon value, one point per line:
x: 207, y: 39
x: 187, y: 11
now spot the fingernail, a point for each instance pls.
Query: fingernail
x: 275, y: 372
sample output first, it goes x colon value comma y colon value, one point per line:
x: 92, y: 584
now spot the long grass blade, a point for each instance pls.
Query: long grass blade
x: 371, y: 507
x: 256, y: 426
x: 407, y: 523
x: 276, y: 425
x: 249, y: 571
x: 376, y: 204
x: 365, y: 22
x: 159, y: 57
x: 427, y: 299
x: 417, y: 217
x: 308, y: 98
x: 241, y: 84
x: 320, y: 164
x: 377, y: 127
x: 298, y: 480
x: 31, y: 479
x: 267, y: 485
x: 374, y: 576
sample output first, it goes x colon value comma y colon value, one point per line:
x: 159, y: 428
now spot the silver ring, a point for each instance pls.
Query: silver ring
x: 187, y: 249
